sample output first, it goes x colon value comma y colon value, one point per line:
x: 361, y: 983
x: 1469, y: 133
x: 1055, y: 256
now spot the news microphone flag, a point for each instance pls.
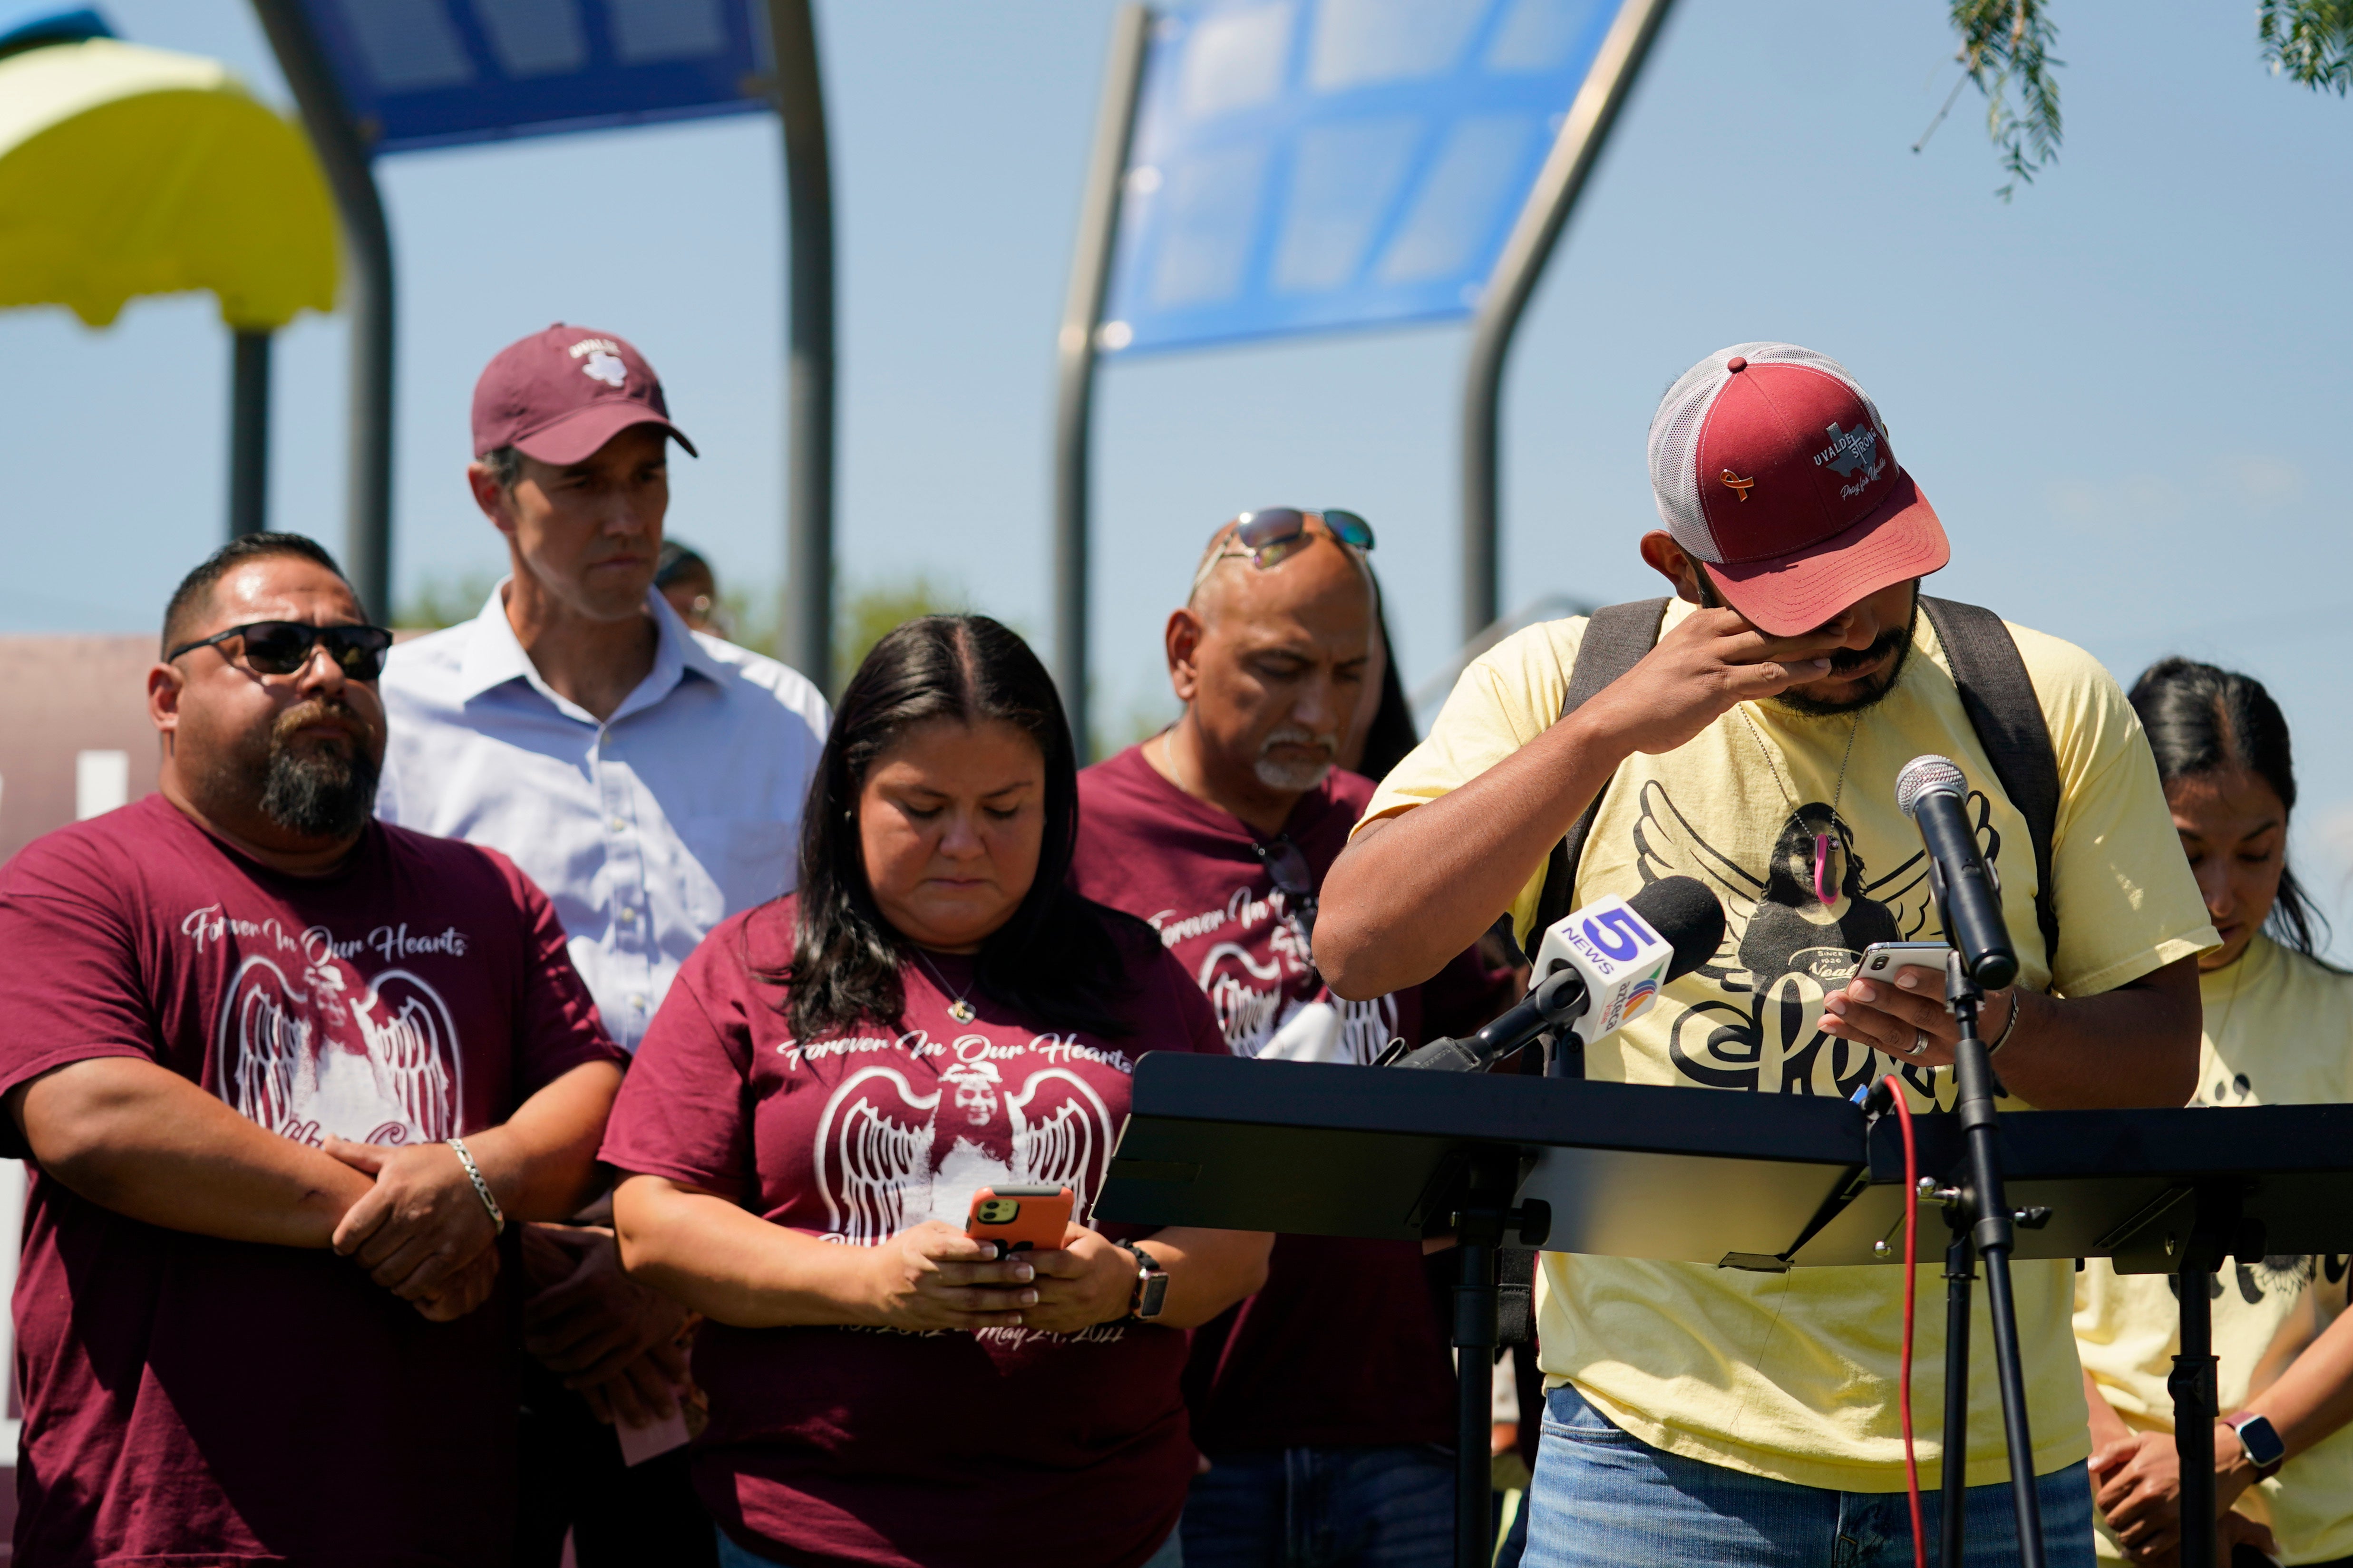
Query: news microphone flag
x: 1623, y: 960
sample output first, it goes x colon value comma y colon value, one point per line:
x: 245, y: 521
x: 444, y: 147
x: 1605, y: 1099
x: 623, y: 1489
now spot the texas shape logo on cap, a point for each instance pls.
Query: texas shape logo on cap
x: 1849, y: 451
x: 604, y: 360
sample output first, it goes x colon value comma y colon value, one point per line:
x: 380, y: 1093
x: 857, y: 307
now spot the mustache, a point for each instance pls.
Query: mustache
x: 1846, y: 661
x: 317, y: 711
x: 1297, y: 735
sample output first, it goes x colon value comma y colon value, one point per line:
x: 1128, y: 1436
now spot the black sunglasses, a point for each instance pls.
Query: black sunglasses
x: 1288, y: 867
x: 283, y: 647
x: 1272, y: 536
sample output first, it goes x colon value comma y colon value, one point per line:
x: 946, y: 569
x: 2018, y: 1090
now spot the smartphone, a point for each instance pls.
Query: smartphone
x: 1019, y: 1219
x: 1881, y: 960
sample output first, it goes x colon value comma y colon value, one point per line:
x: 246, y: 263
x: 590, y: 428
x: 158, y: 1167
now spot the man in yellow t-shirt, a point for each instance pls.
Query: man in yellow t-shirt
x: 1704, y: 1416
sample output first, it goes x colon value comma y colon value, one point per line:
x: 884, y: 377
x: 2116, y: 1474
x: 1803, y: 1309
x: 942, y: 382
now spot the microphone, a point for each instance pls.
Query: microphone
x: 1600, y: 969
x: 1931, y: 791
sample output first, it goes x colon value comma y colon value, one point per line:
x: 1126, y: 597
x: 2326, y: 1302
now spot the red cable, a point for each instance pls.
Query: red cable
x: 1911, y: 1281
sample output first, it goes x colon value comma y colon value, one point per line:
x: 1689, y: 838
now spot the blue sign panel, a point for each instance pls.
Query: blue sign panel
x: 1303, y: 164
x: 441, y: 73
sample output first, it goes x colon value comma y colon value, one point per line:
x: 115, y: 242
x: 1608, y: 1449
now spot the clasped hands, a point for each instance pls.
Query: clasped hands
x: 2137, y: 1485
x: 932, y: 1275
x: 422, y: 1231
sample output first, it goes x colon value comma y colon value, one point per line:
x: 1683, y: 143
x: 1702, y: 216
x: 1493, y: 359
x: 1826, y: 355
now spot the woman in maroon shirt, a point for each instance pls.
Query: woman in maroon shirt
x: 831, y: 1079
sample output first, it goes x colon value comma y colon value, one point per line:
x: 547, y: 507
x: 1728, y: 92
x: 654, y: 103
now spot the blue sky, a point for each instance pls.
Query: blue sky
x: 2125, y: 390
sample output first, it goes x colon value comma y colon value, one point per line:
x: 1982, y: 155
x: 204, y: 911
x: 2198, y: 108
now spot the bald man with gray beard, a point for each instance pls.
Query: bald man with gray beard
x: 1325, y: 1403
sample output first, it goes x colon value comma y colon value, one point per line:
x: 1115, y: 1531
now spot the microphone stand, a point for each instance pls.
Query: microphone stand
x: 1980, y: 1205
x: 1481, y: 1225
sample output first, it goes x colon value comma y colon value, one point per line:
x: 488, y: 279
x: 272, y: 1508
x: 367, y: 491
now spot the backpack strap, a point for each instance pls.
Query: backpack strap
x: 1616, y: 638
x: 1998, y: 697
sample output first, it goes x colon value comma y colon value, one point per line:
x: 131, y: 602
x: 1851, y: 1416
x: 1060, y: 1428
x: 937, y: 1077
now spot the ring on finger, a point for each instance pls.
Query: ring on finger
x: 1919, y: 1047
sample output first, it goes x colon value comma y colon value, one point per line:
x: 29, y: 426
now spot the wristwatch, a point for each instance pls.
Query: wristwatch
x: 1151, y: 1285
x: 2263, y: 1447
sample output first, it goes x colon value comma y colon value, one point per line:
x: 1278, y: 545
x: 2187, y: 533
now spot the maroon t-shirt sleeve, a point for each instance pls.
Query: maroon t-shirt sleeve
x: 70, y: 989
x: 556, y: 1026
x: 681, y: 1112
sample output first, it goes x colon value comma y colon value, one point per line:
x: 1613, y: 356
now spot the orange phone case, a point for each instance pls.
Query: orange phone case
x: 1019, y: 1218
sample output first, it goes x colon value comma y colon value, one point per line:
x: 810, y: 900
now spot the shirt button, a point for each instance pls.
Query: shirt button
x: 637, y: 1000
x: 617, y: 824
x: 628, y: 916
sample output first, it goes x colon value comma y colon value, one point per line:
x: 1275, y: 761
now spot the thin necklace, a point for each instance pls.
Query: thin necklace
x: 1168, y: 755
x: 1823, y: 891
x: 962, y: 1011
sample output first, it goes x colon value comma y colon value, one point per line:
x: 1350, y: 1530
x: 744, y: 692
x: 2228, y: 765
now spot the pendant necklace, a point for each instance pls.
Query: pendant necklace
x: 1823, y: 889
x: 962, y: 1011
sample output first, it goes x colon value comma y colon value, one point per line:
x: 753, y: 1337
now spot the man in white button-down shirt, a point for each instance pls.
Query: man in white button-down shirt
x: 647, y: 825
x: 647, y: 777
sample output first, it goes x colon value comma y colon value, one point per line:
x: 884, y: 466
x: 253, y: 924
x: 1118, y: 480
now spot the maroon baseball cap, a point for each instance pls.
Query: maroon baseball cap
x: 1773, y: 467
x: 559, y: 395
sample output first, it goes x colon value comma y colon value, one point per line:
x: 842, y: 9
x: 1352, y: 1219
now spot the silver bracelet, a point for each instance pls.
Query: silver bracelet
x: 498, y: 1217
x: 2008, y: 1024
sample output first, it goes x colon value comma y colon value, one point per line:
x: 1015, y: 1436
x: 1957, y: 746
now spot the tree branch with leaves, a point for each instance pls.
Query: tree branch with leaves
x: 2006, y: 51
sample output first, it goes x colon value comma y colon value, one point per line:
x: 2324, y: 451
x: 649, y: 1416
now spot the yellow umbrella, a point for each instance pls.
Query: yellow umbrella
x: 126, y: 171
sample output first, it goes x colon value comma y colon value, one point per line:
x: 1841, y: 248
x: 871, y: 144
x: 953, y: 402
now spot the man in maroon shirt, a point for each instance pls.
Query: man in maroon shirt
x: 284, y: 1075
x: 1325, y: 1402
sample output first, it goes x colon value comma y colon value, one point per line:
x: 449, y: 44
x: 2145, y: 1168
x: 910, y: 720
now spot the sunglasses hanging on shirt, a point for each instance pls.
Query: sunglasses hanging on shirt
x: 1288, y: 867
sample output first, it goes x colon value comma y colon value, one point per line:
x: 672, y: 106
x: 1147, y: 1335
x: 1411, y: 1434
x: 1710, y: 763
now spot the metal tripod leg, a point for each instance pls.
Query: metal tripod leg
x: 1960, y: 1267
x: 1479, y: 1227
x: 2197, y: 1402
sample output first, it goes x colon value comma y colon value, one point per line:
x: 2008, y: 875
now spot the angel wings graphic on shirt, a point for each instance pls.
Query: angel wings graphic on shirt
x: 303, y: 1057
x: 889, y: 1157
x: 1785, y: 947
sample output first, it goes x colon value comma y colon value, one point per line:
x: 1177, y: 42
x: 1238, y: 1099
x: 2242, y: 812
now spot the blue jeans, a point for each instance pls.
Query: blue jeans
x: 1321, y: 1508
x: 1170, y: 1555
x: 1604, y: 1499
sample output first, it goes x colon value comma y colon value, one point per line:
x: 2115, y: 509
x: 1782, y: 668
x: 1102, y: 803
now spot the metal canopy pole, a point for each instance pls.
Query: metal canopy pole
x: 1074, y: 387
x: 342, y: 153
x: 1574, y: 151
x: 810, y: 394
x: 248, y: 433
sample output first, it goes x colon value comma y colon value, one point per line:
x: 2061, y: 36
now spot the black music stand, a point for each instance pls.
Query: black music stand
x: 1326, y: 1150
x: 1747, y: 1181
x: 2156, y: 1192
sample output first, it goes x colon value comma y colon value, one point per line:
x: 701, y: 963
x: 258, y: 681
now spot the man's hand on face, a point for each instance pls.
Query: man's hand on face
x: 1700, y: 670
x: 421, y: 1223
x: 614, y: 1342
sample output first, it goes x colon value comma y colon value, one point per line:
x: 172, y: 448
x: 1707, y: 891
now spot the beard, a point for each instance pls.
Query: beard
x: 1846, y: 661
x: 1294, y: 777
x: 323, y: 790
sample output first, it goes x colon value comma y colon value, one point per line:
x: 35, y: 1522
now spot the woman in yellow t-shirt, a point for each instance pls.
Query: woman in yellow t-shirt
x: 2279, y: 1030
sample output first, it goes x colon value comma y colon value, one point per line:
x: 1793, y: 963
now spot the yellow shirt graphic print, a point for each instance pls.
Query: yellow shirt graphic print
x: 1751, y: 1024
x: 1793, y: 1375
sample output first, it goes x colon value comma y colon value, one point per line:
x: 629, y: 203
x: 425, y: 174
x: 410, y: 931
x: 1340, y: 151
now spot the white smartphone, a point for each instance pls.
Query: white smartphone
x: 1881, y: 960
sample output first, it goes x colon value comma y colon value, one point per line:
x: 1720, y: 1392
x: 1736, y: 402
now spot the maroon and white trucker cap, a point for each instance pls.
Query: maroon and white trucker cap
x: 562, y: 393
x: 1770, y: 465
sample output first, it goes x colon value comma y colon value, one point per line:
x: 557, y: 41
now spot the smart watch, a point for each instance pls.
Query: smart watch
x: 2265, y: 1450
x: 1151, y: 1285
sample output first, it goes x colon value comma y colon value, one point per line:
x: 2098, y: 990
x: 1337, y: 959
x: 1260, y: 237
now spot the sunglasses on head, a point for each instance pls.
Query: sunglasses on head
x: 283, y: 647
x: 1269, y: 538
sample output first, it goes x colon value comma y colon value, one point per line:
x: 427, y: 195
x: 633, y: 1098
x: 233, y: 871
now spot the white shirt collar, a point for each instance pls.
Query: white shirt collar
x: 494, y: 656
